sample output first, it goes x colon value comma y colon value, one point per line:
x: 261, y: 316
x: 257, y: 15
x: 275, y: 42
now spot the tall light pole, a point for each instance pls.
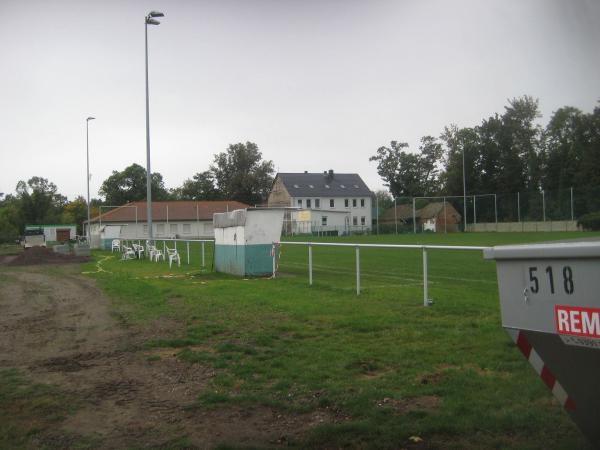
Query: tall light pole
x: 150, y: 20
x: 464, y: 188
x: 87, y: 146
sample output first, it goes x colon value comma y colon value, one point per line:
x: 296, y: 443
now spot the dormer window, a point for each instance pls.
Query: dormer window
x: 342, y: 186
x: 311, y: 186
x: 356, y: 186
x: 326, y: 186
x: 296, y: 186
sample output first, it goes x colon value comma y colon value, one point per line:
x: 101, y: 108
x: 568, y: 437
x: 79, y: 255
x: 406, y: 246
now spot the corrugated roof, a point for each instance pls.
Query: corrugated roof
x: 324, y: 185
x: 176, y: 210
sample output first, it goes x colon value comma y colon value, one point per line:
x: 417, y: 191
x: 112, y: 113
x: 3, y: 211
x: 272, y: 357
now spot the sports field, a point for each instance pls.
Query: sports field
x: 320, y: 367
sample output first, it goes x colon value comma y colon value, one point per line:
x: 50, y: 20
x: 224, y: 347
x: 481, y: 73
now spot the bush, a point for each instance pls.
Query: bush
x: 590, y: 221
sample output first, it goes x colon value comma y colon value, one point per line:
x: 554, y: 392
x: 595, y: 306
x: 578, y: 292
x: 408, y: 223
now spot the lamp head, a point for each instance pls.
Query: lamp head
x: 156, y: 14
x: 151, y: 21
x: 89, y: 118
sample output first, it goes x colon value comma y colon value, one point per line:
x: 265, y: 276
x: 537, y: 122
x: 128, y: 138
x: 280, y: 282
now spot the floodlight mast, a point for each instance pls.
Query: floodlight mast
x: 149, y: 21
x: 87, y: 145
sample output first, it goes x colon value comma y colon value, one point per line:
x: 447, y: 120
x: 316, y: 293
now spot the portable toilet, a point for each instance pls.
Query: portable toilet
x: 550, y: 305
x: 244, y: 240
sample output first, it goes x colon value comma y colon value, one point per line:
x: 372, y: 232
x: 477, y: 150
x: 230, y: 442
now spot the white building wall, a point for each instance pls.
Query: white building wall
x: 183, y: 229
x: 357, y: 212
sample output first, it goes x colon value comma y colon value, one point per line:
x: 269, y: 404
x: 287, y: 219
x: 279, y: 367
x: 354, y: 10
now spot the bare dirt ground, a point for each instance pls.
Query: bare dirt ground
x: 56, y: 327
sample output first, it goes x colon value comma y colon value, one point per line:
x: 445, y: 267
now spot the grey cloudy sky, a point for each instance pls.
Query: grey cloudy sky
x: 316, y: 84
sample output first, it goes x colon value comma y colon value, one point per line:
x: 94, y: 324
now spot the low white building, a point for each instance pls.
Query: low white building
x: 56, y: 233
x: 326, y: 192
x: 170, y: 219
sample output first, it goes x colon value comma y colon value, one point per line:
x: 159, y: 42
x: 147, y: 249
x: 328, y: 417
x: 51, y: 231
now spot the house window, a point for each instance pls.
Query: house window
x: 187, y: 228
x: 362, y: 202
x: 308, y: 203
x: 299, y: 203
x: 354, y: 203
x: 355, y: 220
x: 346, y: 202
x: 332, y: 203
x: 362, y: 220
x: 145, y: 229
x: 317, y: 202
x: 173, y: 228
x: 324, y: 221
x: 160, y: 228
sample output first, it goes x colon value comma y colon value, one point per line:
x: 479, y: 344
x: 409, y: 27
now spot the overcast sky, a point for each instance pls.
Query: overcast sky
x: 316, y: 84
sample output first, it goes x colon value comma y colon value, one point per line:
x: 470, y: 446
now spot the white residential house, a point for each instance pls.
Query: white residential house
x: 325, y: 195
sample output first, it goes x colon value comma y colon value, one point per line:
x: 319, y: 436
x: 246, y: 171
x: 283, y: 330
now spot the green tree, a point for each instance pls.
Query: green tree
x: 410, y: 174
x: 39, y: 201
x: 76, y: 212
x: 461, y: 142
x: 241, y: 174
x: 129, y: 185
x: 200, y: 187
x: 383, y: 200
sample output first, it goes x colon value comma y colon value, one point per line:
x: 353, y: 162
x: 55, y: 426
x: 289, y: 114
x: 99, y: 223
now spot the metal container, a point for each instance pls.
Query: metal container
x: 550, y: 305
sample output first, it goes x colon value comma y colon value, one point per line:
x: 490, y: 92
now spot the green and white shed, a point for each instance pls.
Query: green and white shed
x: 56, y: 233
x: 244, y: 240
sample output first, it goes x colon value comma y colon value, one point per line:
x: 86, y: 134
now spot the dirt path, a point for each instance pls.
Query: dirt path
x: 56, y: 327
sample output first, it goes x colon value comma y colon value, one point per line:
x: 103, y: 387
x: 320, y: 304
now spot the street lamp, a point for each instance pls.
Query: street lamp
x: 150, y: 20
x: 87, y: 144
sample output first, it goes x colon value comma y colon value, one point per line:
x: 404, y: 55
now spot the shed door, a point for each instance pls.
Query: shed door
x: 63, y: 235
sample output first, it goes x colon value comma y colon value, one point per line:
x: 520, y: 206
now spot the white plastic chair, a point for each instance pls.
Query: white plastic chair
x: 128, y: 253
x: 116, y: 245
x: 139, y: 250
x: 158, y: 254
x: 173, y: 256
x: 151, y: 250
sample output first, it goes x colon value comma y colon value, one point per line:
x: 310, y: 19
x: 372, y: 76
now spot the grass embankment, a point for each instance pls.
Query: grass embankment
x: 380, y: 364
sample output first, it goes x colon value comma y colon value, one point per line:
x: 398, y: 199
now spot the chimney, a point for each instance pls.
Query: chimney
x: 331, y: 173
x: 306, y: 171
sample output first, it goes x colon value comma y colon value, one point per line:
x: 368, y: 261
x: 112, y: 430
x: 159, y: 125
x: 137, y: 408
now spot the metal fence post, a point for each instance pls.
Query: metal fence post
x: 572, y: 211
x: 425, y: 282
x: 445, y: 217
x: 357, y: 270
x: 395, y: 215
x: 274, y: 263
x: 496, y: 210
x: 544, y: 206
x: 188, y: 252
x: 414, y: 218
x: 203, y: 254
x: 310, y: 269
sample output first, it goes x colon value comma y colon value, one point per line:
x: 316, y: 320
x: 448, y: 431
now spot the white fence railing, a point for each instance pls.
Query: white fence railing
x: 184, y: 242
x: 426, y: 300
x: 424, y: 249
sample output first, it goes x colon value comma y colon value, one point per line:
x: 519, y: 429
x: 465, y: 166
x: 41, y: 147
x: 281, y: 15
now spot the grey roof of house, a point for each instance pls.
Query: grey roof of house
x: 322, y: 185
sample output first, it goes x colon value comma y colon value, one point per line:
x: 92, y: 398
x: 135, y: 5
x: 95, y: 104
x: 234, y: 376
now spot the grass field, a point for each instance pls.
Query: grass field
x: 390, y: 371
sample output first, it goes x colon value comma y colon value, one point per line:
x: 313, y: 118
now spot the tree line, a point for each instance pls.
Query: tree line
x: 239, y: 173
x: 506, y: 153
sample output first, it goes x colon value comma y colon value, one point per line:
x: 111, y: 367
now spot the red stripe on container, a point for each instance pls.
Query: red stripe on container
x: 570, y: 404
x: 548, y: 378
x: 523, y: 345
